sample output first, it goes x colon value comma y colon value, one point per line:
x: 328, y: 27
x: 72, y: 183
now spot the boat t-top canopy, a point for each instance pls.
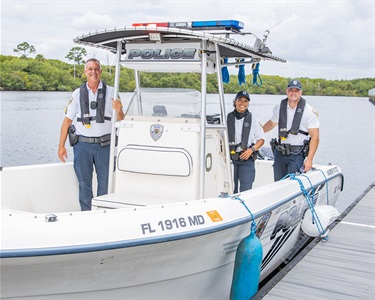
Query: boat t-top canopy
x: 216, y: 32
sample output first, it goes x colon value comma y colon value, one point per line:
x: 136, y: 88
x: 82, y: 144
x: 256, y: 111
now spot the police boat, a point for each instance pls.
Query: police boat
x: 170, y: 226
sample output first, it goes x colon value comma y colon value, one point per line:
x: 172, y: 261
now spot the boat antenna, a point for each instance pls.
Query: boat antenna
x: 262, y: 45
x: 280, y: 22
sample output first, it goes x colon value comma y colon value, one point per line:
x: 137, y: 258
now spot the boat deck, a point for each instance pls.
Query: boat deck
x: 341, y: 268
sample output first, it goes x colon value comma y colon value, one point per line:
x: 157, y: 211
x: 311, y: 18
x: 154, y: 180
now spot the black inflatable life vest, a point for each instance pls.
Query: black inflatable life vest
x: 283, y: 131
x: 246, y: 127
x: 100, y: 107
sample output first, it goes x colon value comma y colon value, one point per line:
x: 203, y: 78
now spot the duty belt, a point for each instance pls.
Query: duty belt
x: 292, y: 148
x: 93, y: 140
x: 287, y: 149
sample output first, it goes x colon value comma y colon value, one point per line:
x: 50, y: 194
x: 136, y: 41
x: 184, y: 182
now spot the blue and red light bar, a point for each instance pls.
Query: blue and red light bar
x: 195, y: 25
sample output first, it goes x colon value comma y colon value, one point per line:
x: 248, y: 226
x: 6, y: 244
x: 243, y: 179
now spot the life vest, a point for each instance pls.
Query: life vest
x: 100, y: 107
x: 283, y: 131
x: 246, y: 127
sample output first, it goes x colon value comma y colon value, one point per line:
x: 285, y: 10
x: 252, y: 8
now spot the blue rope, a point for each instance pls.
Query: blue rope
x: 253, y: 224
x: 256, y: 76
x: 224, y: 72
x: 310, y: 202
x: 241, y: 73
x: 312, y: 187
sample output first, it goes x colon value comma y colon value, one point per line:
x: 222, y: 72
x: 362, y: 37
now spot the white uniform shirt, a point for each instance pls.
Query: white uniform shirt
x: 309, y: 120
x: 256, y: 131
x: 74, y: 110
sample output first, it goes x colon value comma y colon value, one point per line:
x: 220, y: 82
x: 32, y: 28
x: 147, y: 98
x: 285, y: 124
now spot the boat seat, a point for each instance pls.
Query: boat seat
x: 213, y: 119
x: 159, y: 111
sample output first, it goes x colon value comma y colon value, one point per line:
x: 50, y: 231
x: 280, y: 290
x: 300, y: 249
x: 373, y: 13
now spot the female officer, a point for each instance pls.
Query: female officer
x: 246, y: 136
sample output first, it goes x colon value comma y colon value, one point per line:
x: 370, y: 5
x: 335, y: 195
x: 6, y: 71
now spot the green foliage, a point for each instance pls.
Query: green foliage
x: 25, y: 49
x: 40, y: 57
x: 76, y: 54
x: 30, y: 74
x: 40, y: 74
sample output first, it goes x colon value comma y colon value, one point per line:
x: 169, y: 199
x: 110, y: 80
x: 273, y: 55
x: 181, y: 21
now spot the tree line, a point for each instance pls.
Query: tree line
x: 41, y: 74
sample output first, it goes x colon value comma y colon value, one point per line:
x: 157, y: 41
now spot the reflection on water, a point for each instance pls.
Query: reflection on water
x: 30, y: 129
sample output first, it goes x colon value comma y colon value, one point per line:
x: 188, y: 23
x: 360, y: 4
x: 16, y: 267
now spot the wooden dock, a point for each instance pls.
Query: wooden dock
x: 341, y: 268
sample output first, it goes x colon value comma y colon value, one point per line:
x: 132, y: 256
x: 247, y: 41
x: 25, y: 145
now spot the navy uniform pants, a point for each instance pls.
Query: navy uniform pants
x: 86, y: 156
x: 244, y: 174
x: 286, y: 164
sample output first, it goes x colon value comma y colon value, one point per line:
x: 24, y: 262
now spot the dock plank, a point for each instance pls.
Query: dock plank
x: 341, y: 268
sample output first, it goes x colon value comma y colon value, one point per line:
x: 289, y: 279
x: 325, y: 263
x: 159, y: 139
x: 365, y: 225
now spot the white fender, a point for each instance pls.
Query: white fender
x: 326, y: 214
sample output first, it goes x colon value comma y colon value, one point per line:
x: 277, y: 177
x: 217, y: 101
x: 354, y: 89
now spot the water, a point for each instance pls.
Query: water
x: 31, y: 121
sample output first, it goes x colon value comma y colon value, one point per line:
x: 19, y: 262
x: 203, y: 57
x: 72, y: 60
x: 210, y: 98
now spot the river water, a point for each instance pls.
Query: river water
x: 30, y: 129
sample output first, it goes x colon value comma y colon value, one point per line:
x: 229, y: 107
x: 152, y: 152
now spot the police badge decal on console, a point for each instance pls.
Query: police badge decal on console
x: 156, y: 131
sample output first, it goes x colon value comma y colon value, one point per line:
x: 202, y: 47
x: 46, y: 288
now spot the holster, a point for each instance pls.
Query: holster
x: 273, y: 143
x: 306, y: 147
x: 73, y: 138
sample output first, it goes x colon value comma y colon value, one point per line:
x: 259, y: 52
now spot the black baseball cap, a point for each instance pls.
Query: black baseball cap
x: 294, y: 84
x: 242, y: 94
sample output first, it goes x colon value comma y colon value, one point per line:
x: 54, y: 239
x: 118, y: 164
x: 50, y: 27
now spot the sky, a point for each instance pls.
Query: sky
x: 333, y: 40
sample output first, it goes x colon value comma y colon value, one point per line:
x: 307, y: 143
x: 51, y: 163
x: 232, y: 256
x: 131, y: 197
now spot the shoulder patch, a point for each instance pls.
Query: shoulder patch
x: 66, y: 108
x: 315, y: 112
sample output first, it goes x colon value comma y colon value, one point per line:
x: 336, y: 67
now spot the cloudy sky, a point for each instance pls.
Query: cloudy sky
x: 319, y: 39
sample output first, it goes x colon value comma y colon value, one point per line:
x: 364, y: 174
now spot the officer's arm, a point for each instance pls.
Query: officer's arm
x: 249, y: 151
x: 117, y: 106
x: 269, y: 126
x: 120, y: 115
x: 63, y: 135
x: 258, y: 144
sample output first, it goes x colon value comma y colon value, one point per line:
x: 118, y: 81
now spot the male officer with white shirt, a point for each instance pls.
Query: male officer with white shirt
x: 92, y: 104
x: 298, y: 131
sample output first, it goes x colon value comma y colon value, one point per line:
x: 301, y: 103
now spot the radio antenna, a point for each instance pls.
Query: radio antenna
x: 280, y: 22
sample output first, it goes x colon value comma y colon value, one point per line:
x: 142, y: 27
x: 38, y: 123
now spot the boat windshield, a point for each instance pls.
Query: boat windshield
x: 165, y: 102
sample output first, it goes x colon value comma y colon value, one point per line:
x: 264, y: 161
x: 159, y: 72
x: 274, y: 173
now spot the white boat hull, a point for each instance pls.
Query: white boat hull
x: 130, y: 252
